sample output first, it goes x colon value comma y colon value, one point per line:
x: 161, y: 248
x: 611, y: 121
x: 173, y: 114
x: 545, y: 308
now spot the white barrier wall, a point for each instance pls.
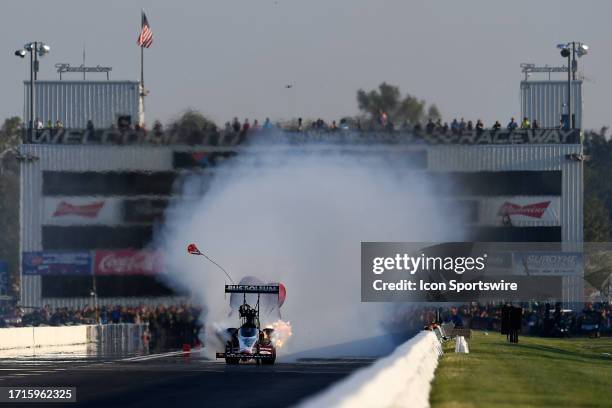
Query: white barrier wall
x: 26, y: 337
x: 402, y: 379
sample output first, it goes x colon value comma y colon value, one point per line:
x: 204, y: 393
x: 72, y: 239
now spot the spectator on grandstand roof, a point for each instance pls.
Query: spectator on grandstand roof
x: 236, y: 125
x: 479, y: 125
x: 383, y: 118
x: 496, y: 125
x: 49, y: 124
x: 267, y: 124
x: 255, y: 126
x: 299, y: 126
x: 525, y: 124
x: 429, y: 127
x: 444, y: 128
x: 470, y: 125
x: 59, y: 124
x: 39, y: 124
x: 455, y: 126
x: 535, y: 124
x: 462, y: 125
x: 563, y: 124
x: 512, y: 124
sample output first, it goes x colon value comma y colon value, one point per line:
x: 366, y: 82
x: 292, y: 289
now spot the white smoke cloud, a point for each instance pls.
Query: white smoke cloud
x: 298, y: 216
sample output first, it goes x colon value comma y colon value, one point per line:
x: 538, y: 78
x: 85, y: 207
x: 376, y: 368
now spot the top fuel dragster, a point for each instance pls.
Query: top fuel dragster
x: 249, y: 341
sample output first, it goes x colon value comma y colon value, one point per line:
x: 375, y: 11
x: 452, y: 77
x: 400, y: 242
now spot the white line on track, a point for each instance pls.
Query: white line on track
x: 157, y: 356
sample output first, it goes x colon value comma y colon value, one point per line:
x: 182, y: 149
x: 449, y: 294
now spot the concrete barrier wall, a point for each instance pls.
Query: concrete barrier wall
x: 17, y: 337
x: 60, y: 336
x: 26, y: 337
x: 402, y: 379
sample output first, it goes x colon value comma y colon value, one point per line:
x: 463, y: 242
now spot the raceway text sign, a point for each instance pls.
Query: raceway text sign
x: 129, y: 136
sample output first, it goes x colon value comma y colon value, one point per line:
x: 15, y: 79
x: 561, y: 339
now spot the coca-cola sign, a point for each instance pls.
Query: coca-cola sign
x: 127, y: 262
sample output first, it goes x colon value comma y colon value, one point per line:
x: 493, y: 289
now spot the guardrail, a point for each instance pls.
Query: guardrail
x: 400, y: 379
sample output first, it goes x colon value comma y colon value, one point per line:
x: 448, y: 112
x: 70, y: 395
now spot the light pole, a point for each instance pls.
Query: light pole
x: 570, y: 50
x: 36, y: 49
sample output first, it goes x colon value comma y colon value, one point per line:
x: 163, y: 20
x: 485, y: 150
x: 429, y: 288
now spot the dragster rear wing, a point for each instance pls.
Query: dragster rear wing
x: 251, y: 289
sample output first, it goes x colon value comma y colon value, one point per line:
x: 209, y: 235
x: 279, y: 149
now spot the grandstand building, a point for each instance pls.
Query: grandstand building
x: 75, y: 103
x: 88, y: 210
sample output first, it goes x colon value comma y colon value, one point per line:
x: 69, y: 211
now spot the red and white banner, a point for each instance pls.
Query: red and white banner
x: 65, y: 211
x: 520, y: 211
x: 127, y: 262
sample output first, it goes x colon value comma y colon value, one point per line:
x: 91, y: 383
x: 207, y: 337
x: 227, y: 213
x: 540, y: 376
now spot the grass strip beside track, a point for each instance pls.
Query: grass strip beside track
x: 536, y: 372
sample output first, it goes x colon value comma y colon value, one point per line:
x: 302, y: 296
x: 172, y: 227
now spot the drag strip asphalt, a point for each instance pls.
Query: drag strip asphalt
x: 176, y: 380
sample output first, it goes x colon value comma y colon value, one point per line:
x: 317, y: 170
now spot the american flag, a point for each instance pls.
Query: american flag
x: 145, y: 39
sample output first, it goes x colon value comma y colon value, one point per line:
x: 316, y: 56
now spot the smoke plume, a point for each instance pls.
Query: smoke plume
x: 297, y: 215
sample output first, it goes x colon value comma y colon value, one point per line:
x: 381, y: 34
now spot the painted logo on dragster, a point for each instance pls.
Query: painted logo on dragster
x: 251, y: 288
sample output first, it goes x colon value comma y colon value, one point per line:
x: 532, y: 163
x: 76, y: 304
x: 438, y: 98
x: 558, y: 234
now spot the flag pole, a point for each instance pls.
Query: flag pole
x: 141, y: 112
x: 142, y: 89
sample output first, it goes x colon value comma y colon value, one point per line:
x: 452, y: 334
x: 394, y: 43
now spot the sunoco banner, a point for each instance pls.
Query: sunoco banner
x: 548, y: 263
x: 56, y: 263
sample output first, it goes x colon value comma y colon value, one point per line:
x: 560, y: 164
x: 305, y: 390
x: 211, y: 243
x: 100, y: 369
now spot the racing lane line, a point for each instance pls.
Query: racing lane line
x: 154, y: 356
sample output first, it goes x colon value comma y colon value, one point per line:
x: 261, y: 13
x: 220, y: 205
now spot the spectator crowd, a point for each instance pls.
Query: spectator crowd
x: 168, y: 327
x: 237, y: 131
x: 538, y: 319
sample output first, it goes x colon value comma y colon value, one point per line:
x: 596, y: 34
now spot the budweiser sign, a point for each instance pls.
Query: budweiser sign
x: 127, y: 262
x: 530, y: 210
x: 83, y: 210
